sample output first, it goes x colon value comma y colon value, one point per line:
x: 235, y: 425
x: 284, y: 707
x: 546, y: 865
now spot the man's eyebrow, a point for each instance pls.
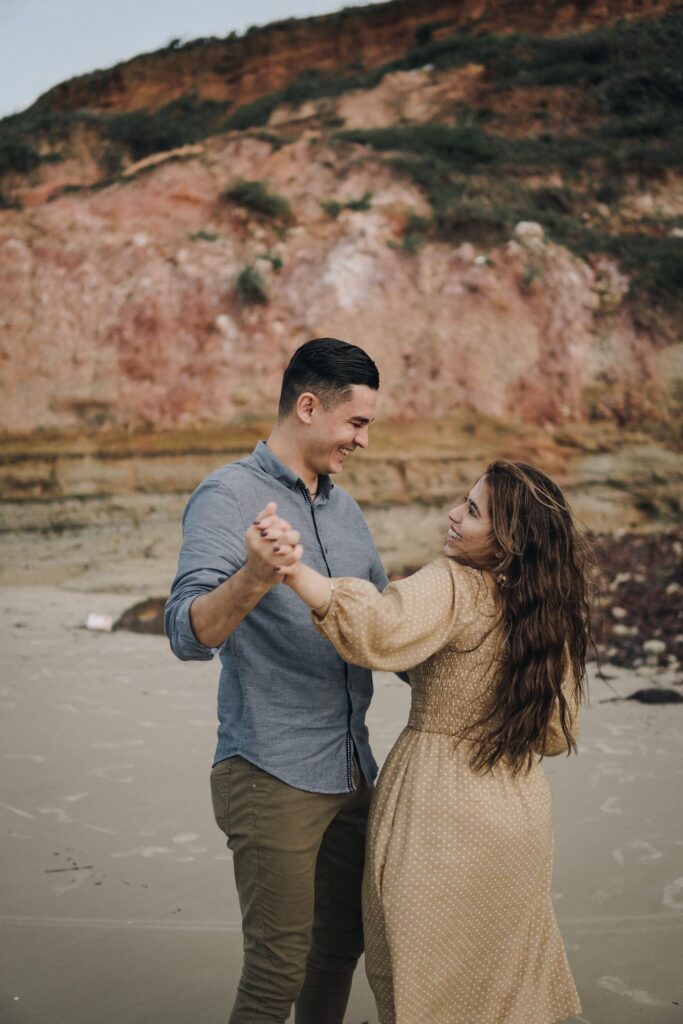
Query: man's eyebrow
x: 361, y: 419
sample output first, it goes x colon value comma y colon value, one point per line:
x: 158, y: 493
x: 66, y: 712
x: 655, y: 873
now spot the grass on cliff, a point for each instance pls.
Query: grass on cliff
x: 632, y: 70
x: 41, y: 135
x: 332, y: 207
x: 468, y: 145
x: 632, y: 73
x: 250, y: 288
x: 472, y: 200
x: 181, y: 122
x: 254, y: 196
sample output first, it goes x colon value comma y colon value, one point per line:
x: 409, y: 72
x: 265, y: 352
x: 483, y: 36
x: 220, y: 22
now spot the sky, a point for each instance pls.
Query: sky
x: 44, y: 42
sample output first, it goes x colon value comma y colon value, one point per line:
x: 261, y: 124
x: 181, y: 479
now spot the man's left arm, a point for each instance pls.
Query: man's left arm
x: 378, y: 576
x: 375, y: 569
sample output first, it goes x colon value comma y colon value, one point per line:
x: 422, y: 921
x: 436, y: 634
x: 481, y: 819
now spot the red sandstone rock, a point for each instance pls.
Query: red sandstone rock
x: 121, y: 308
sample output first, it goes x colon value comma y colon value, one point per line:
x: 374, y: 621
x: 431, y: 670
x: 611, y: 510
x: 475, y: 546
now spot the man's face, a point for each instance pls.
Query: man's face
x: 335, y: 432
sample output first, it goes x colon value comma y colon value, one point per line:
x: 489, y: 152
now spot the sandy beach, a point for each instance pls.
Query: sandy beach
x: 488, y: 198
x: 118, y: 902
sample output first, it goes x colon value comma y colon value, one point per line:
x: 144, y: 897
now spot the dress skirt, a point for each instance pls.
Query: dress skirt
x: 459, y: 924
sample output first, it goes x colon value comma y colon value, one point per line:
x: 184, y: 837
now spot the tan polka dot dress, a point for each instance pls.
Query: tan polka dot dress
x: 459, y: 925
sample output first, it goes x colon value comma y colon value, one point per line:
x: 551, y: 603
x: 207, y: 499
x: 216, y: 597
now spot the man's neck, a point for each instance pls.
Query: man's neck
x: 284, y: 446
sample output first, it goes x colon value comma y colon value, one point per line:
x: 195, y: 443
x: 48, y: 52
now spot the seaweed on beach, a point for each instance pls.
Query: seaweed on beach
x: 639, y: 617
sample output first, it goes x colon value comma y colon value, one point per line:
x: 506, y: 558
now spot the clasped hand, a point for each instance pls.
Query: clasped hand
x: 273, y: 548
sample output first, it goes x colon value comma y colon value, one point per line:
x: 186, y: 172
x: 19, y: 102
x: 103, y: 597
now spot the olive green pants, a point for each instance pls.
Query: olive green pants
x: 298, y: 862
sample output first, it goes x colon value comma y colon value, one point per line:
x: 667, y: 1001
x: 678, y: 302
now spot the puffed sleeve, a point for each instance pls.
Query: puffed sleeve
x: 555, y: 740
x: 399, y: 627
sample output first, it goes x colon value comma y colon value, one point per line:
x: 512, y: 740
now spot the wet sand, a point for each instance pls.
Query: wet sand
x: 118, y: 902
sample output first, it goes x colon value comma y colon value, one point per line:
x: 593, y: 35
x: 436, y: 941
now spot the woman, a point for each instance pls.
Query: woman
x: 460, y: 928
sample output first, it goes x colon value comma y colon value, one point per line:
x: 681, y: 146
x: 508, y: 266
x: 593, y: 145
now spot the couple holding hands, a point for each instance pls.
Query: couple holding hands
x: 442, y: 870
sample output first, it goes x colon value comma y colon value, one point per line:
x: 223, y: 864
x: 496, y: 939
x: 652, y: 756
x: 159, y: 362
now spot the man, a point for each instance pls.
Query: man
x: 293, y: 770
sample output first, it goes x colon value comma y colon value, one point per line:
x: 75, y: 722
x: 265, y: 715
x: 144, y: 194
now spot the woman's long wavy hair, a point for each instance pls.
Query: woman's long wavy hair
x: 546, y: 574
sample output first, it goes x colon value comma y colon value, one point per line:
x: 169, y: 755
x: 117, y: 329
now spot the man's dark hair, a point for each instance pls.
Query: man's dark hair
x: 329, y: 368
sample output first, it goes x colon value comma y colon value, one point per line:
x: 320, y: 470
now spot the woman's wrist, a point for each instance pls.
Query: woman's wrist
x: 291, y: 577
x: 321, y: 608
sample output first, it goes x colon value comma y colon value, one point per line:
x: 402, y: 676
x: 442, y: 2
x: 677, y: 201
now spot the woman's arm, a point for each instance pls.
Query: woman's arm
x: 315, y: 590
x: 392, y: 630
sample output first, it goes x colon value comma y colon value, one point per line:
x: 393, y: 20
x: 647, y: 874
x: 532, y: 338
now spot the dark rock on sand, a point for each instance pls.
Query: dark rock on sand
x: 656, y: 696
x: 144, y: 617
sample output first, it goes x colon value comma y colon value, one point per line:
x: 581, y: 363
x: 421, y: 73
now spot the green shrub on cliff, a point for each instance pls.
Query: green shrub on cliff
x: 19, y: 156
x: 333, y: 207
x: 179, y: 123
x: 655, y: 265
x: 250, y: 288
x: 415, y: 233
x: 254, y: 196
x: 360, y: 205
x: 461, y: 146
x: 34, y: 137
x: 203, y: 236
x: 312, y: 84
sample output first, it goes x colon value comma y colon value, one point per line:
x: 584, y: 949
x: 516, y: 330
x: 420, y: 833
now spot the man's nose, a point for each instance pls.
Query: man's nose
x: 361, y: 437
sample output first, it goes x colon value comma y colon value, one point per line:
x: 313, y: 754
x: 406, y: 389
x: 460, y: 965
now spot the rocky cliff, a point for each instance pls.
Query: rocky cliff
x: 238, y: 70
x: 486, y: 196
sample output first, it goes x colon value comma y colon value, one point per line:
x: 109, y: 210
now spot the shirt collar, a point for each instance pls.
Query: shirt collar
x: 269, y: 463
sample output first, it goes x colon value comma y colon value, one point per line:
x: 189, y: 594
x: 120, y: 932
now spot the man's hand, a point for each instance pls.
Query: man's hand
x: 273, y: 549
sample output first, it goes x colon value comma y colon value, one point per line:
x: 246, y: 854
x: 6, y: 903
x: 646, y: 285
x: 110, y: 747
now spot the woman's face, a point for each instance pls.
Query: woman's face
x: 470, y: 537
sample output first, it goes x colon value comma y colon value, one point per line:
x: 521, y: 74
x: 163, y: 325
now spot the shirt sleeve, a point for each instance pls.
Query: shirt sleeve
x: 378, y: 575
x: 399, y: 627
x: 376, y: 571
x: 213, y: 549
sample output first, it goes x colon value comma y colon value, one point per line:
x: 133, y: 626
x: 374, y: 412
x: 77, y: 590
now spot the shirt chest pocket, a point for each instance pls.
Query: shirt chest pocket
x: 340, y: 549
x: 347, y: 559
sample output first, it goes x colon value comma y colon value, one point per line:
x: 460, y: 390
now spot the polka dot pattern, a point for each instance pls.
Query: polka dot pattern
x: 459, y: 925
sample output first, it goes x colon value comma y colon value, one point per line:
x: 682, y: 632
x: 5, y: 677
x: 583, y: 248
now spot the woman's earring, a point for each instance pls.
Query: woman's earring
x: 501, y: 579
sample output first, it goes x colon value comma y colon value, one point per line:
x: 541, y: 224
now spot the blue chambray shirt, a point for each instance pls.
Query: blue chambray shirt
x: 287, y: 702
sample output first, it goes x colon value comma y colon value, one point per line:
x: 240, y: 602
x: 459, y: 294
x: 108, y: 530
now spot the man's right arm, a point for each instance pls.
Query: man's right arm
x: 219, y: 580
x: 216, y: 614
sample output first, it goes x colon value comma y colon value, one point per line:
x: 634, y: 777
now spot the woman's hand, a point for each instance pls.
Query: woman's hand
x: 273, y: 547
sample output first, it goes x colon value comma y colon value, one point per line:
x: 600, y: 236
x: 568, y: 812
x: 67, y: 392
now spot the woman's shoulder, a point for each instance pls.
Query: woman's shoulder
x: 465, y: 574
x: 468, y: 583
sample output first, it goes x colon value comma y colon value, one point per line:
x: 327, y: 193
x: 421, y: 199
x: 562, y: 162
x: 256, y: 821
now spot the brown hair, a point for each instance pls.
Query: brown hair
x: 546, y: 574
x: 329, y: 368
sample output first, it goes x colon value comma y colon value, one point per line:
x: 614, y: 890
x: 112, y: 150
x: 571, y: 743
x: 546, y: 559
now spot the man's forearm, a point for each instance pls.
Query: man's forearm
x: 214, y: 616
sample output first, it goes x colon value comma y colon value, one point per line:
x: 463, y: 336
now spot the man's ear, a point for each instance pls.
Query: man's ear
x: 306, y: 405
